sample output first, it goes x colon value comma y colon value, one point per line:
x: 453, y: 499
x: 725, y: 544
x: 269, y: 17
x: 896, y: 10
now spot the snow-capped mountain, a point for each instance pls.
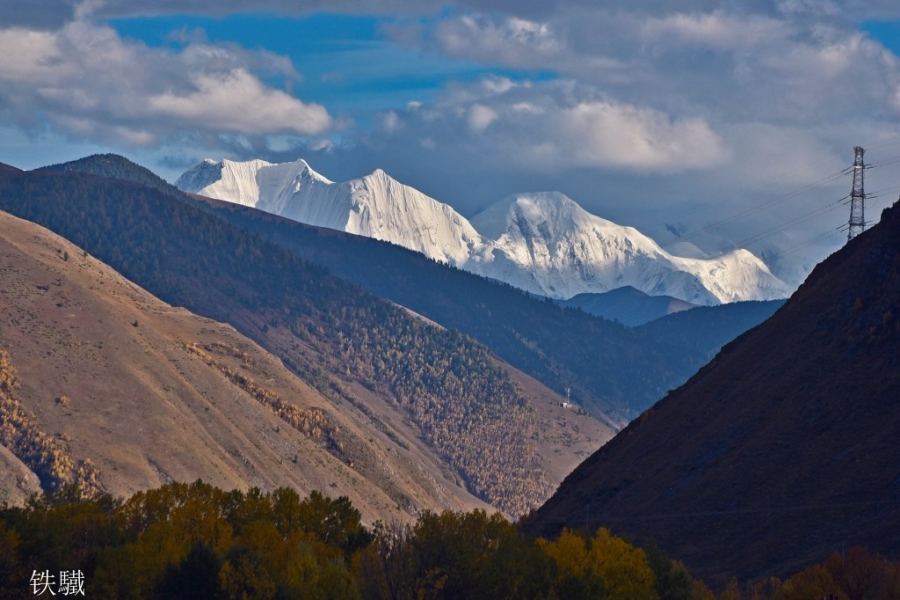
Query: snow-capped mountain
x: 548, y: 244
x: 375, y: 206
x: 544, y: 243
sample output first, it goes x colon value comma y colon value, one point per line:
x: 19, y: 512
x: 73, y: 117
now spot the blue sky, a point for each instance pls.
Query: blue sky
x: 346, y: 63
x: 677, y: 118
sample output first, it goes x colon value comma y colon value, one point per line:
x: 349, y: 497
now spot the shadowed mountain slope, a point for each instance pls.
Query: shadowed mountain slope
x: 705, y: 329
x: 614, y: 375
x: 627, y: 305
x: 779, y: 452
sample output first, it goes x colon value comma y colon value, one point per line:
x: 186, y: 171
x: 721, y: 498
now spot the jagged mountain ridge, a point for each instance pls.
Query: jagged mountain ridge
x: 779, y: 452
x: 543, y: 243
x: 567, y: 251
x: 375, y: 206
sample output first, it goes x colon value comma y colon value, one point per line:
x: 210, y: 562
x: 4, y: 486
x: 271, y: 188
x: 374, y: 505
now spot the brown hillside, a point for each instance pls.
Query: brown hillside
x: 783, y: 449
x: 107, y: 368
x: 151, y: 393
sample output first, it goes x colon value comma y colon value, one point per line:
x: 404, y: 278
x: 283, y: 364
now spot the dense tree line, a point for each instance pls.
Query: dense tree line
x: 196, y: 541
x: 465, y: 405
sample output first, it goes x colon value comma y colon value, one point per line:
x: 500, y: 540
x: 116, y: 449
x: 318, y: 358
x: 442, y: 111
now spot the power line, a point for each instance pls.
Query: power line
x: 731, y: 195
x: 813, y: 240
x: 779, y: 199
x: 734, y: 511
x: 788, y: 224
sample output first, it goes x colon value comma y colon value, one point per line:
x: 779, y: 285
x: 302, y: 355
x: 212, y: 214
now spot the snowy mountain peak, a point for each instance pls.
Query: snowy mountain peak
x: 548, y: 244
x: 541, y: 242
x: 553, y: 217
x: 376, y: 205
x: 307, y: 173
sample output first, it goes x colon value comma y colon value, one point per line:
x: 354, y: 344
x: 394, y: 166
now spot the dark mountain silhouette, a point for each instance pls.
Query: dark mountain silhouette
x: 628, y: 305
x: 706, y: 329
x: 779, y: 452
x: 115, y: 166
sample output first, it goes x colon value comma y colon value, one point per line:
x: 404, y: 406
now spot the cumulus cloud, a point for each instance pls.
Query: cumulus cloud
x: 656, y: 104
x: 716, y: 30
x: 238, y: 101
x: 558, y: 125
x: 777, y: 62
x: 626, y: 136
x: 89, y: 83
x: 480, y: 117
x: 513, y: 41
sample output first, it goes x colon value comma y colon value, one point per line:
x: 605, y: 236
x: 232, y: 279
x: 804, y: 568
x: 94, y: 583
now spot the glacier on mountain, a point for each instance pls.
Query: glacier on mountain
x: 544, y: 243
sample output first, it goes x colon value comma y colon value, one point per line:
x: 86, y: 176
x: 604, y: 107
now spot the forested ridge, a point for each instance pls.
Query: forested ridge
x: 615, y: 371
x: 114, y: 166
x: 465, y: 406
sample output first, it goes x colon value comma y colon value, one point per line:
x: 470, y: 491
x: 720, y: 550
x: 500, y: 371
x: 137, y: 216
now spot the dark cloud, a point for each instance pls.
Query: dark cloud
x: 36, y: 14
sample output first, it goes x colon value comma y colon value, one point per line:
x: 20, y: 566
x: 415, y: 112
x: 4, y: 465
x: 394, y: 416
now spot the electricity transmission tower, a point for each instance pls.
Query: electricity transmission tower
x: 857, y: 196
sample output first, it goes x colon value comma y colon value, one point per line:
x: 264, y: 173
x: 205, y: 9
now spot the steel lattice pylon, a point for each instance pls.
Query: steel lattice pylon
x: 857, y: 196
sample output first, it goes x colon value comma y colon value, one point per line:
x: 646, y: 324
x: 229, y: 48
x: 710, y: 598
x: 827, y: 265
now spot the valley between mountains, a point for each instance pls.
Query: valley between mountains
x: 148, y: 336
x: 272, y: 355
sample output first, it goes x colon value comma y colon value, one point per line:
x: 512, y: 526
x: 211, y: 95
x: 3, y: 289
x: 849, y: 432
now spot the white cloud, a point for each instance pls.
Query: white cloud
x: 480, y: 117
x: 561, y: 125
x: 716, y: 30
x: 390, y: 121
x: 753, y: 62
x: 92, y: 84
x: 606, y: 134
x: 237, y: 101
x: 513, y: 41
x: 656, y: 104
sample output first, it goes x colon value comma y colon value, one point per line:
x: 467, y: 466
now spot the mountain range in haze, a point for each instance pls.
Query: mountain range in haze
x: 544, y: 243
